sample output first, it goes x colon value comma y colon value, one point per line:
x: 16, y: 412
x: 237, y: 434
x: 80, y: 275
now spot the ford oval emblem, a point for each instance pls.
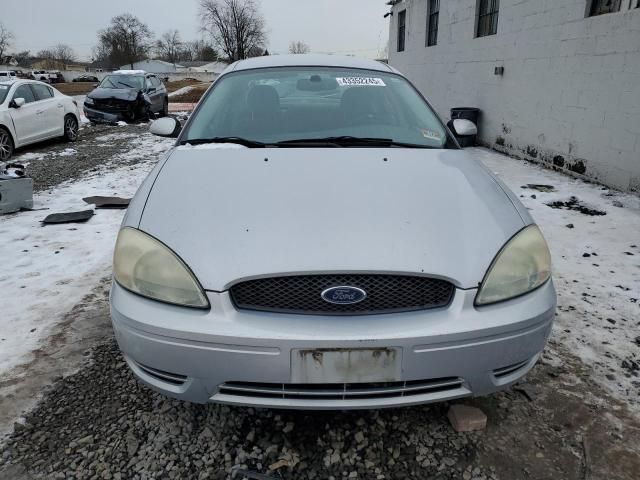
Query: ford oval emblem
x: 344, y: 295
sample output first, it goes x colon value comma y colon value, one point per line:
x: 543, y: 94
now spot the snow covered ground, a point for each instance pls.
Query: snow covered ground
x: 596, y: 268
x: 46, y: 270
x: 181, y: 91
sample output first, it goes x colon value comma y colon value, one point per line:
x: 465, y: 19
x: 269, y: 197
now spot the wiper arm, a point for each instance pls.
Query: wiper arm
x: 125, y: 84
x: 236, y: 140
x: 350, y: 141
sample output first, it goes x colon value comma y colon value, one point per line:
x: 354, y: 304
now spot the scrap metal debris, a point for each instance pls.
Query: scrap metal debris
x: 108, y: 202
x: 70, y: 217
x: 540, y: 188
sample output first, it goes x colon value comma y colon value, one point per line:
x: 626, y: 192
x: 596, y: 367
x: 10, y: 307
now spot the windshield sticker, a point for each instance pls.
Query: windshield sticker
x: 360, y: 81
x: 430, y: 134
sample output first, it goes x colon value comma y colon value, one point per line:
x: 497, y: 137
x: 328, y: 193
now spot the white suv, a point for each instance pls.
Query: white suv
x: 6, y: 75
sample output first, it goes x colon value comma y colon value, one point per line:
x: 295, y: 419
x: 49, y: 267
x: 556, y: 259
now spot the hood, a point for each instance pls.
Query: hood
x: 233, y: 214
x: 119, y: 93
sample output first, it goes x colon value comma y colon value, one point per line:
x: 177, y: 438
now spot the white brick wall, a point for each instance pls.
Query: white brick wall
x: 571, y: 85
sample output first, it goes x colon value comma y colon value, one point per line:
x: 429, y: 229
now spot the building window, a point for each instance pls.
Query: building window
x: 402, y: 26
x: 432, y: 22
x: 600, y: 7
x: 488, y: 17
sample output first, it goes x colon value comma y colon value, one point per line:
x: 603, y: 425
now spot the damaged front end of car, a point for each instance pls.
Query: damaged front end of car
x: 111, y: 106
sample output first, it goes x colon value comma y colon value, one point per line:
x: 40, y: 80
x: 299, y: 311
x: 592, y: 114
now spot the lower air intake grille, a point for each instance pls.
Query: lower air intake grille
x: 302, y: 294
x: 339, y: 391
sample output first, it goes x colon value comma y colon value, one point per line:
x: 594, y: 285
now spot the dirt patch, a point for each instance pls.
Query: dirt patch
x: 77, y: 88
x: 575, y: 204
x: 193, y: 96
x: 187, y: 82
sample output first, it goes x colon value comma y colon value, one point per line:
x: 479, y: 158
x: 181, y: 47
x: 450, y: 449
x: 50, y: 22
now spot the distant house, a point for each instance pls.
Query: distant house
x: 154, y: 66
x: 203, y: 67
x: 8, y: 61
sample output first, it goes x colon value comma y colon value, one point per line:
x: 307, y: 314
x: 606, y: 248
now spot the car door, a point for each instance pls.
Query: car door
x: 51, y: 111
x: 25, y: 119
x: 154, y: 94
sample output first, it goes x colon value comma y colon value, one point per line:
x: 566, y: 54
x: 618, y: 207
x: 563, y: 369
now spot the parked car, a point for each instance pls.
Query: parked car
x: 330, y: 247
x: 127, y: 95
x: 7, y: 75
x: 86, y: 78
x: 43, y: 76
x: 33, y: 111
x: 58, y: 77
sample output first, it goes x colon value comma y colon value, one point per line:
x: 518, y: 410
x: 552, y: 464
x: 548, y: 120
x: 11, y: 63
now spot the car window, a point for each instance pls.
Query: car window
x: 24, y: 91
x: 296, y: 103
x: 42, y: 91
x: 4, y: 91
x: 123, y: 81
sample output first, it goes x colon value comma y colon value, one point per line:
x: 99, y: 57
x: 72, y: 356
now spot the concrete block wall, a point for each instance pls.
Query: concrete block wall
x: 570, y: 93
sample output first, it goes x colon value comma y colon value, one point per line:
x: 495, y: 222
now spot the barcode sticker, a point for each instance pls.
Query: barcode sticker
x: 360, y: 81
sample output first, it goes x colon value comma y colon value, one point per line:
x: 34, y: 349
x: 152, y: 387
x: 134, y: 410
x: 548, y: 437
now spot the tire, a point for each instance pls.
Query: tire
x: 165, y: 108
x: 70, y: 128
x: 6, y: 145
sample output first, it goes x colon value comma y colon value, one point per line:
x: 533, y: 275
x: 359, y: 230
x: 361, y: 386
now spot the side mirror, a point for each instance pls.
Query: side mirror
x: 464, y: 128
x: 96, y: 85
x: 17, y: 102
x: 166, y: 127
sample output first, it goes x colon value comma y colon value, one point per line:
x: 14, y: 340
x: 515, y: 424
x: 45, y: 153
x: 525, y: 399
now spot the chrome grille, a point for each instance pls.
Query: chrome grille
x: 302, y: 294
x: 339, y: 391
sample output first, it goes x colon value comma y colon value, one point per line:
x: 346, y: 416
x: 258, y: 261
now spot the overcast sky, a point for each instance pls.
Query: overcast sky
x: 338, y: 26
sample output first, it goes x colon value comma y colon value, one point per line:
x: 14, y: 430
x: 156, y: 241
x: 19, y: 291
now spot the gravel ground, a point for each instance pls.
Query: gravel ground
x: 56, y: 166
x: 100, y: 423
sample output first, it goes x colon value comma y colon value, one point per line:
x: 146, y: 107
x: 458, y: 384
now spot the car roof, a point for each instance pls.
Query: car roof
x: 310, y: 60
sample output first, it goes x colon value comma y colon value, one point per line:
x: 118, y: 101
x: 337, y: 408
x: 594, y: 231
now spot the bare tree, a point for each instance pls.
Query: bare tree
x: 22, y: 57
x: 199, y: 50
x: 169, y: 46
x: 48, y: 58
x: 6, y: 38
x: 298, y: 47
x: 125, y: 41
x: 236, y: 26
x: 64, y: 53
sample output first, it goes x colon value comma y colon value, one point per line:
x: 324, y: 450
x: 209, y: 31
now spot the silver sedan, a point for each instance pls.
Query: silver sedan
x: 317, y: 239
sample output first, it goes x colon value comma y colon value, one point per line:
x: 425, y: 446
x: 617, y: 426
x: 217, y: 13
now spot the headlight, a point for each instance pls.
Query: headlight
x: 145, y: 266
x: 522, y: 265
x: 89, y: 101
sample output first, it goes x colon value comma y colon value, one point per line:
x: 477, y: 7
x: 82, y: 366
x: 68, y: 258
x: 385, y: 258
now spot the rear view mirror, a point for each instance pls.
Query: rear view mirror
x: 166, y: 127
x: 17, y: 103
x: 316, y: 84
x: 464, y: 128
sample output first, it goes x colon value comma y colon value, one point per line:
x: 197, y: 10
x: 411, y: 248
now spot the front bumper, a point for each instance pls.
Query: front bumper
x: 247, y: 358
x: 99, y: 116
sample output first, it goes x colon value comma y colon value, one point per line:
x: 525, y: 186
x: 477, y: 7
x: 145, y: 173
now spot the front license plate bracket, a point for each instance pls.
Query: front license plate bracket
x: 363, y: 365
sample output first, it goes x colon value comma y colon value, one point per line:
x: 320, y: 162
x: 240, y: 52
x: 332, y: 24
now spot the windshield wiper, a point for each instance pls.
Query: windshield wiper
x: 350, y: 141
x: 126, y: 85
x: 238, y: 140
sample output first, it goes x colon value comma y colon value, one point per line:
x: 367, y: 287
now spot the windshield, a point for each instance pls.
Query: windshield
x: 123, y: 81
x: 305, y: 103
x: 4, y: 90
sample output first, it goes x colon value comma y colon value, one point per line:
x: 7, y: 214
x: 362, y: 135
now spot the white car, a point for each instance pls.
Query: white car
x: 33, y: 111
x: 8, y: 75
